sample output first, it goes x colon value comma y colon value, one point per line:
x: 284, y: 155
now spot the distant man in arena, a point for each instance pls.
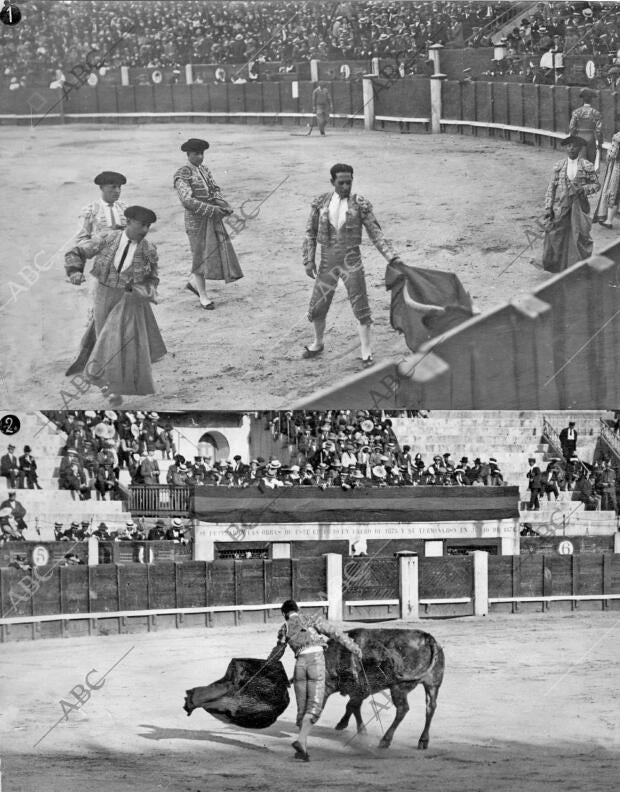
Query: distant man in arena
x: 335, y: 222
x: 321, y: 107
x: 586, y: 123
x: 568, y: 224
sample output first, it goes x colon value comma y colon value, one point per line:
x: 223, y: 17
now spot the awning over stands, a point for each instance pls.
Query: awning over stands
x: 371, y: 504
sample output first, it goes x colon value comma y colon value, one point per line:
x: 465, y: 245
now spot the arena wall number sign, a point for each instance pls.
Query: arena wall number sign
x: 10, y: 14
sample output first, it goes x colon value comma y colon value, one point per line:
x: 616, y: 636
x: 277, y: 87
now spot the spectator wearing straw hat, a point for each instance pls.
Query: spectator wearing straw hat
x: 176, y: 532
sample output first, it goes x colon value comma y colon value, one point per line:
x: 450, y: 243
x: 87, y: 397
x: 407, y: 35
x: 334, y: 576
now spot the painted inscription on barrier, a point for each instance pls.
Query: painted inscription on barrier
x: 508, y: 528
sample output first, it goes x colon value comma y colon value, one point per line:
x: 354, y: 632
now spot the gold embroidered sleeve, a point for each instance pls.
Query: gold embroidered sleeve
x: 75, y: 259
x: 312, y: 227
x: 184, y: 191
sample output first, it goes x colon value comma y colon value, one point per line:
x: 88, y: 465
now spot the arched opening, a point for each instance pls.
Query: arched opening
x: 213, y: 445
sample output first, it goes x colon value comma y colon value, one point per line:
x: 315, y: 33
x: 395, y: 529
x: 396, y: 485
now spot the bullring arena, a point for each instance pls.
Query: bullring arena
x: 103, y: 630
x: 469, y: 204
x: 452, y: 211
x: 528, y: 702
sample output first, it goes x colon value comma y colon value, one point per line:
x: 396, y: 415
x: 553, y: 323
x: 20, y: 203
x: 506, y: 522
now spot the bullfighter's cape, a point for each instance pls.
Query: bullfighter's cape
x: 425, y: 302
x: 257, y: 694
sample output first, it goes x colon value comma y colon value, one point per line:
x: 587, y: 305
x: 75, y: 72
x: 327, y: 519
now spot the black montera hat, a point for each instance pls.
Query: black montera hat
x: 194, y: 144
x: 141, y: 214
x: 110, y: 177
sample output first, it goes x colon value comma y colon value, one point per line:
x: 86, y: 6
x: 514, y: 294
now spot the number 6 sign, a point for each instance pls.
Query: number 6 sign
x: 40, y: 556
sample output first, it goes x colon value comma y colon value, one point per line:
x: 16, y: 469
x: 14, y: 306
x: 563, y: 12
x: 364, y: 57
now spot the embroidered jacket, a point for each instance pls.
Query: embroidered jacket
x: 300, y: 632
x: 586, y: 122
x: 142, y: 270
x: 319, y: 230
x: 95, y: 218
x: 197, y: 190
x: 559, y: 185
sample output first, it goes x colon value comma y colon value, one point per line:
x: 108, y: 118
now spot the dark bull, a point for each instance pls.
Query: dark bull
x: 254, y: 694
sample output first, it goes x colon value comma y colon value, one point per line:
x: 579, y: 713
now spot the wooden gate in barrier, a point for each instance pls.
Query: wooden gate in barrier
x: 371, y: 587
x: 555, y: 348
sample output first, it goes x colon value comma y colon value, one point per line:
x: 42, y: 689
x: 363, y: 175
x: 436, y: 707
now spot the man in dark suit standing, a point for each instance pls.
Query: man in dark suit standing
x: 9, y: 467
x: 28, y: 470
x: 568, y: 440
x: 149, y: 469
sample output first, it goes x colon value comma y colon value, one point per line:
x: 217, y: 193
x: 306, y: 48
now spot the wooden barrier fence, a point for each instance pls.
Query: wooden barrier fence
x: 58, y: 601
x: 249, y: 102
x: 112, y: 599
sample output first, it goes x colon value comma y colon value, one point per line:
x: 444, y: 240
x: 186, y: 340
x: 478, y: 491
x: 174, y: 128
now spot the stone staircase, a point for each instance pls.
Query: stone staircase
x: 588, y: 426
x: 525, y: 10
x: 49, y: 504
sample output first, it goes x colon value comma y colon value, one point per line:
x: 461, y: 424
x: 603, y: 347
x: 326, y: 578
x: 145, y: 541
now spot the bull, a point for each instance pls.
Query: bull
x: 253, y: 693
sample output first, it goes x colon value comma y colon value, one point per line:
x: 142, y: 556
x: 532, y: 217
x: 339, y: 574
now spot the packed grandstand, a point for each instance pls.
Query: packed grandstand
x: 55, y: 36
x: 99, y: 457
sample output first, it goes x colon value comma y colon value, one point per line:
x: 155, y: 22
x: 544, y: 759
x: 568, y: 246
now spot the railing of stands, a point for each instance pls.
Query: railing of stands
x: 157, y: 499
x: 611, y: 439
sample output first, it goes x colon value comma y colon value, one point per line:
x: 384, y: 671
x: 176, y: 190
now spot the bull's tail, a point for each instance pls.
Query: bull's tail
x: 437, y: 663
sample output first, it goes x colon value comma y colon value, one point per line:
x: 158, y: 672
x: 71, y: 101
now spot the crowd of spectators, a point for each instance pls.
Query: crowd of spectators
x: 594, y: 485
x: 536, y: 49
x: 59, y: 35
x: 100, y: 444
x: 351, y: 449
x: 56, y: 36
x: 172, y: 530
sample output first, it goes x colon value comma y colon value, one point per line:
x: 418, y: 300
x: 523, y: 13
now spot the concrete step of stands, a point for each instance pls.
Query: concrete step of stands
x: 563, y: 506
x: 53, y: 499
x: 556, y: 516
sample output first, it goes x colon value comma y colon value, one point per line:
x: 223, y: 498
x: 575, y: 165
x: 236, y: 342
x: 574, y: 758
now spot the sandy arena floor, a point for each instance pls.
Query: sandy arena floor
x: 461, y: 204
x: 528, y: 703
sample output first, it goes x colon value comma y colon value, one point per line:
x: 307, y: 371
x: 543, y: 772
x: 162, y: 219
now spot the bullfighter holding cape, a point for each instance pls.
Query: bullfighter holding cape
x: 568, y: 225
x: 122, y: 339
x: 213, y: 256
